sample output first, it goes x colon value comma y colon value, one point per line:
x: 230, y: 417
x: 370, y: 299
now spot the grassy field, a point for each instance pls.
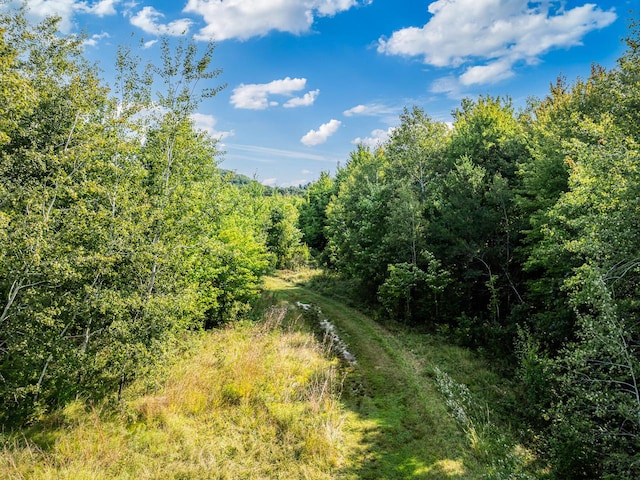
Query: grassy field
x: 268, y: 399
x: 425, y: 408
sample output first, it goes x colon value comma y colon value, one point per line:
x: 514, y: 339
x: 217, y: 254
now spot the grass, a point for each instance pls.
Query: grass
x: 405, y: 419
x: 268, y: 400
x: 254, y: 401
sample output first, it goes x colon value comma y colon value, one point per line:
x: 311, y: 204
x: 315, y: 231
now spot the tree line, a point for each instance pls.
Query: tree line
x: 515, y: 232
x: 118, y: 229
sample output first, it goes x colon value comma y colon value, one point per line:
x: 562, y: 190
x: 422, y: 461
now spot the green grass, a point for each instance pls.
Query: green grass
x: 267, y: 400
x: 254, y: 401
x: 404, y: 419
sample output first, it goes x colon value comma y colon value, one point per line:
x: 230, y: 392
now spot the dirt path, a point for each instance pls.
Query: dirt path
x: 405, y: 428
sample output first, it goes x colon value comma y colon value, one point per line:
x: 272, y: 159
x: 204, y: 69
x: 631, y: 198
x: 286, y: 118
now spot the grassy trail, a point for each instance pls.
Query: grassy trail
x: 265, y: 400
x: 404, y: 426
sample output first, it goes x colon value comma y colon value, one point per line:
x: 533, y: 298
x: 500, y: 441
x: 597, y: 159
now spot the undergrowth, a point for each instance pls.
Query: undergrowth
x: 254, y: 400
x: 267, y: 399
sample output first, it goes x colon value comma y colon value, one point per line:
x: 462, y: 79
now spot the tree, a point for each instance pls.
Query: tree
x: 283, y: 236
x: 356, y: 220
x: 595, y: 431
x: 409, y: 290
x: 46, y: 162
x: 119, y: 231
x: 313, y: 216
x: 587, y: 246
x: 416, y: 151
x: 415, y: 168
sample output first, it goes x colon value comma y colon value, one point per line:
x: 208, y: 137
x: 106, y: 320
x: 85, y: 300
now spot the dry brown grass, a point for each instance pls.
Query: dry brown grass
x: 254, y: 401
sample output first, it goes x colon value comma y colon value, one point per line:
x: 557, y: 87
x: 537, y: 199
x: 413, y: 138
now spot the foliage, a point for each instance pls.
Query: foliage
x: 265, y: 392
x: 534, y: 217
x: 313, y: 217
x: 421, y: 192
x: 356, y: 219
x: 283, y: 236
x: 118, y: 230
x: 407, y: 285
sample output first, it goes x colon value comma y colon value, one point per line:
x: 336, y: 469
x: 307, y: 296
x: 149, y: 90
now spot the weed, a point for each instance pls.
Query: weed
x: 254, y: 400
x: 491, y: 446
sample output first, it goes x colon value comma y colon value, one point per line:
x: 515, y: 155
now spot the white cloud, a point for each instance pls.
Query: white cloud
x: 65, y: 9
x: 148, y: 18
x: 316, y: 137
x: 129, y: 7
x: 243, y: 19
x: 255, y: 96
x: 149, y: 44
x: 94, y: 39
x: 496, y: 33
x: 303, y: 101
x: 377, y: 138
x: 490, y: 73
x: 449, y: 85
x: 276, y: 153
x: 372, y: 110
x: 102, y: 8
x: 207, y: 123
x: 357, y: 110
x: 306, y: 172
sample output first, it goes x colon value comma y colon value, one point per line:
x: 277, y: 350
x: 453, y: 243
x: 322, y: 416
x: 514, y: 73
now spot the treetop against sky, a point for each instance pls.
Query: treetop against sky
x: 308, y: 80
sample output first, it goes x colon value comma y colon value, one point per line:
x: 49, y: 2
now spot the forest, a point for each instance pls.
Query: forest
x: 512, y: 232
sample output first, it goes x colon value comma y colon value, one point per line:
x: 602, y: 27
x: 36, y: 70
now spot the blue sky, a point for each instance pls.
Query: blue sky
x: 307, y: 80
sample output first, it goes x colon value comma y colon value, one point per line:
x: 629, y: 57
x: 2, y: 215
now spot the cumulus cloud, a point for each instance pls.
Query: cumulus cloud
x: 306, y: 100
x: 316, y: 137
x: 243, y: 19
x: 148, y: 19
x: 489, y: 37
x: 65, y: 9
x: 207, y: 123
x: 255, y: 96
x: 377, y: 138
x: 94, y: 39
x: 490, y: 73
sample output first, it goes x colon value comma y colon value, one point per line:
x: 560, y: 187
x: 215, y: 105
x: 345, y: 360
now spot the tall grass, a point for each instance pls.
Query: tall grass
x: 505, y: 459
x: 258, y: 401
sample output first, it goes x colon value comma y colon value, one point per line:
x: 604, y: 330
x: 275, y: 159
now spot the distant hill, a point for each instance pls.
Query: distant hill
x: 243, y: 180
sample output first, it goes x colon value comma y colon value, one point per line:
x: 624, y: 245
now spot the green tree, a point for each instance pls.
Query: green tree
x: 595, y: 430
x: 474, y: 228
x: 356, y: 220
x: 313, y: 216
x: 118, y: 229
x: 46, y: 162
x: 588, y: 248
x: 415, y: 169
x: 409, y: 291
x: 283, y: 236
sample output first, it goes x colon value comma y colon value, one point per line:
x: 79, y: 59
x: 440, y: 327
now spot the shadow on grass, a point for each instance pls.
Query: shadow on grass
x: 403, y: 428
